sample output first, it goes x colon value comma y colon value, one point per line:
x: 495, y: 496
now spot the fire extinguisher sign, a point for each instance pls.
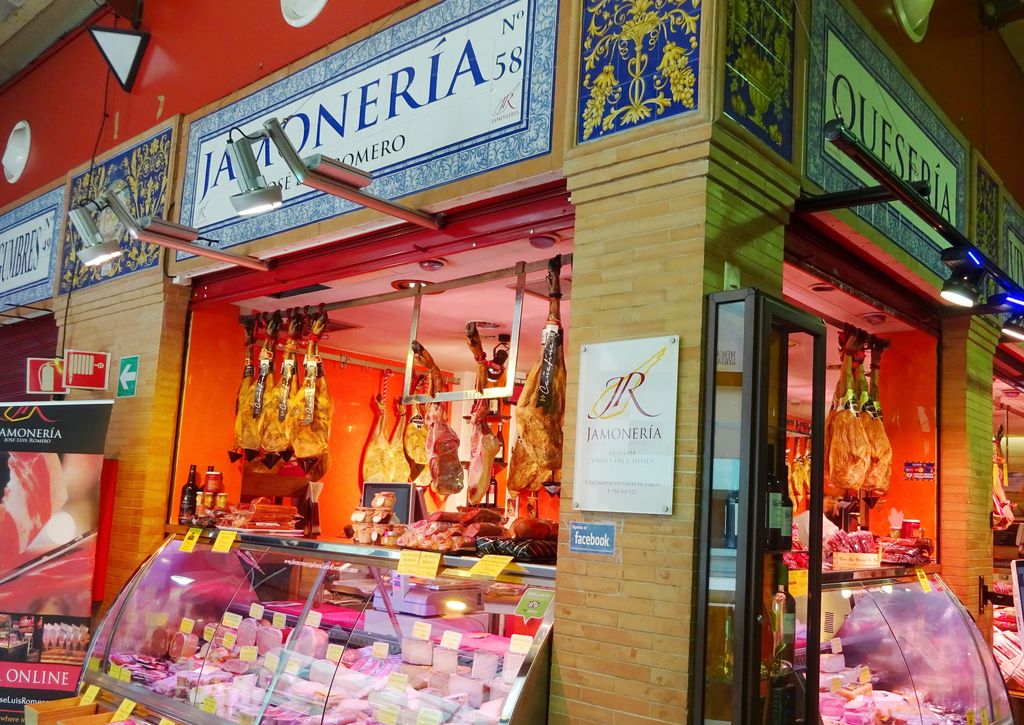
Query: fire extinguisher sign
x: 44, y: 376
x: 86, y: 370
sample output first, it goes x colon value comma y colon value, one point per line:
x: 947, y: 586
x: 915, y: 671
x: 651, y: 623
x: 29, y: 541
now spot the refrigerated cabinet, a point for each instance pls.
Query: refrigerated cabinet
x: 303, y: 631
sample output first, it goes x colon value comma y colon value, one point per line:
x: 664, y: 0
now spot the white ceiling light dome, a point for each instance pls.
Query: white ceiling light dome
x: 298, y: 13
x: 913, y: 16
x: 16, y: 153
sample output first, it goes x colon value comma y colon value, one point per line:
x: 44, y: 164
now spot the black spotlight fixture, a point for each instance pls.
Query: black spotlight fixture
x: 966, y: 275
x: 1013, y: 326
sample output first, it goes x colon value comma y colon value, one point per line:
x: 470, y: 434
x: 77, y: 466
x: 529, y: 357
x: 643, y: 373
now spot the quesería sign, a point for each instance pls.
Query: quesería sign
x: 625, y: 438
x: 454, y: 91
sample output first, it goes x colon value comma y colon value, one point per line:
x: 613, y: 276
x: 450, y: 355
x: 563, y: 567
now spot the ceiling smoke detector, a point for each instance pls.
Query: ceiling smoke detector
x: 822, y: 287
x: 542, y: 241
x: 874, y: 318
x: 432, y: 265
x: 1011, y: 393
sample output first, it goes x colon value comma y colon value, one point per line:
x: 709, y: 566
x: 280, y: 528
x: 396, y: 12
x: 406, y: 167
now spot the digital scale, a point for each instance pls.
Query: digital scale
x: 433, y: 597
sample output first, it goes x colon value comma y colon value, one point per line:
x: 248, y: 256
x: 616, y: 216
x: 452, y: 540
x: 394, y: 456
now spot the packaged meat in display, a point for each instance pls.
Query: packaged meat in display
x: 446, y: 473
x: 263, y: 633
x: 273, y: 432
x: 311, y: 410
x: 540, y: 409
x: 246, y: 432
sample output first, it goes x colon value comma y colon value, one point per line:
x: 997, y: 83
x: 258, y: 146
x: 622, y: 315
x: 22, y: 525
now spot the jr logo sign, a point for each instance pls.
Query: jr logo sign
x: 621, y: 391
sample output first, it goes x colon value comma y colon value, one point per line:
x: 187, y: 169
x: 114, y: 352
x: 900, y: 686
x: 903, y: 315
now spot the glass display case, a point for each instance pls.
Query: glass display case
x: 302, y: 631
x: 903, y: 649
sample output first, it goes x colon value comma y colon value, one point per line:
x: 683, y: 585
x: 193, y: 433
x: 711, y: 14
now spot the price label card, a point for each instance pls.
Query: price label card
x: 125, y: 675
x: 94, y: 664
x: 380, y: 650
x: 520, y: 644
x: 271, y: 661
x: 230, y: 619
x: 490, y: 566
x: 222, y: 544
x: 249, y: 653
x: 865, y: 674
x: 156, y: 619
x: 256, y: 610
x: 835, y: 683
x: 123, y: 710
x: 398, y: 681
x: 984, y: 715
x: 837, y: 646
x: 229, y: 640
x: 188, y: 544
x: 314, y: 618
x: 923, y: 579
x: 114, y: 672
x: 89, y: 696
x: 280, y: 620
x: 428, y: 564
x: 421, y: 630
x: 798, y: 582
x: 292, y: 666
x: 970, y: 717
x: 429, y: 716
x: 187, y: 625
x: 209, y: 705
x: 388, y: 714
x: 165, y: 721
x: 209, y: 631
x: 334, y: 652
x: 451, y: 639
x: 408, y: 562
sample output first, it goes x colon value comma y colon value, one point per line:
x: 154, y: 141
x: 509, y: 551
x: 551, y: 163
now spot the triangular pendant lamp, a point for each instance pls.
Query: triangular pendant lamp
x: 122, y: 49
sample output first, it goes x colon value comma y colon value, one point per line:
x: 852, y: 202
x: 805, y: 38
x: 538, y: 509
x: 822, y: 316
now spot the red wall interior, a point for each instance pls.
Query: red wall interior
x: 199, y: 52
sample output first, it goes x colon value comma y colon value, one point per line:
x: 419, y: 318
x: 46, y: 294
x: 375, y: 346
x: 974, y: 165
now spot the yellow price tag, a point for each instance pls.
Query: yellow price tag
x: 451, y: 639
x: 428, y: 564
x: 187, y: 625
x: 188, y: 544
x: 248, y: 653
x: 165, y: 721
x: 923, y: 579
x: 256, y: 610
x: 126, y: 674
x: 123, y: 710
x: 837, y: 645
x: 222, y: 544
x: 380, y: 650
x: 94, y: 664
x: 398, y: 681
x: 209, y: 631
x: 835, y: 683
x: 984, y: 715
x: 280, y: 620
x: 292, y: 666
x: 230, y: 619
x: 408, y: 562
x: 89, y: 696
x: 388, y: 714
x: 229, y: 639
x: 429, y: 716
x: 490, y: 566
x: 421, y: 630
x: 520, y: 644
x: 209, y: 705
x: 114, y: 672
x: 314, y: 618
x: 970, y: 717
x: 865, y: 674
x: 156, y: 619
x: 798, y: 582
x: 271, y: 661
x: 334, y: 652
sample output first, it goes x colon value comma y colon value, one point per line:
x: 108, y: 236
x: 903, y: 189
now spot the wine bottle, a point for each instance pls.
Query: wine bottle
x: 189, y: 492
x: 773, y: 513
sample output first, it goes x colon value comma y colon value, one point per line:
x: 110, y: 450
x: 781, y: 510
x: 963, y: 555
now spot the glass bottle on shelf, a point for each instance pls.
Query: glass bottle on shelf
x: 774, y: 513
x: 189, y: 492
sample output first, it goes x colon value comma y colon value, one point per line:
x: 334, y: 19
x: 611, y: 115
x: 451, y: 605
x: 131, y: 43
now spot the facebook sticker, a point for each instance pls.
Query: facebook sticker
x: 591, y: 538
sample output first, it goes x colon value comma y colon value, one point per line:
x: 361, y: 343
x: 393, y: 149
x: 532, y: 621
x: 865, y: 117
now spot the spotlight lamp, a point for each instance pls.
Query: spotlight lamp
x: 256, y: 196
x: 95, y: 250
x: 966, y: 275
x: 1013, y: 326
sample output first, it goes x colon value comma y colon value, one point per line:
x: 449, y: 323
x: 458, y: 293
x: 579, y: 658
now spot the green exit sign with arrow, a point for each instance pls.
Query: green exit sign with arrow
x: 127, y: 376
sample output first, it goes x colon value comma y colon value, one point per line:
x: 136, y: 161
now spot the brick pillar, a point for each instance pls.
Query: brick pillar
x: 139, y: 314
x: 965, y: 455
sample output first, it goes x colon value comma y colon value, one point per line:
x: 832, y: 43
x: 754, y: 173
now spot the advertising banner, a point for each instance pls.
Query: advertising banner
x: 51, y: 456
x: 626, y: 434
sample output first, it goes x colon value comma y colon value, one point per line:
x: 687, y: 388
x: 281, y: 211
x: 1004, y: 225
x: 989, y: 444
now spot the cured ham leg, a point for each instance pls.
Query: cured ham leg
x: 849, y: 451
x: 1002, y: 508
x: 246, y: 434
x: 537, y: 456
x: 375, y: 464
x: 262, y: 408
x: 878, y: 478
x: 414, y: 441
x: 446, y: 474
x: 484, y: 445
x: 274, y: 436
x: 35, y: 491
x: 398, y: 465
x: 311, y: 408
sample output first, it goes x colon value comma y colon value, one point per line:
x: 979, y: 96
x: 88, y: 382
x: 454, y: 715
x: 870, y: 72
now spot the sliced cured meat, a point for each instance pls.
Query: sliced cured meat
x: 247, y: 632
x: 35, y: 491
x: 484, y: 447
x: 311, y: 641
x: 268, y: 638
x: 183, y: 645
x: 446, y: 474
